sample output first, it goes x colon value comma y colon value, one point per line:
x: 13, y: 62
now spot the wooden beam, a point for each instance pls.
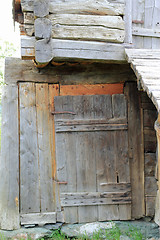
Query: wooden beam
x: 17, y: 70
x: 78, y: 50
x: 41, y: 8
x: 82, y: 7
x: 38, y: 218
x: 9, y: 161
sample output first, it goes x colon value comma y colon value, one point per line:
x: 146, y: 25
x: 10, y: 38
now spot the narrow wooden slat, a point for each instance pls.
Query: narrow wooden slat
x: 38, y: 218
x: 94, y: 202
x: 146, y: 32
x: 9, y: 160
x: 54, y: 91
x: 29, y: 159
x: 44, y: 149
x: 60, y: 122
x: 91, y: 128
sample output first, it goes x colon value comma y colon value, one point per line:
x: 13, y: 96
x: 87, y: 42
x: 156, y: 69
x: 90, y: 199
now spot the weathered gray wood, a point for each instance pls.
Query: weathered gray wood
x: 43, y: 28
x: 150, y: 206
x: 43, y: 51
x: 128, y: 21
x: 145, y: 74
x: 119, y: 105
x: 81, y: 143
x: 29, y: 159
x: 78, y: 50
x: 136, y: 150
x: 38, y: 218
x: 44, y: 149
x: 150, y: 164
x: 9, y: 161
x: 151, y: 186
x: 114, y: 22
x: 146, y: 32
x: 137, y: 15
x: 91, y: 128
x: 89, y: 195
x: 19, y: 70
x: 94, y: 202
x: 27, y: 47
x: 88, y: 33
x: 120, y: 120
x: 41, y: 8
x: 133, y: 54
x: 100, y: 7
x: 65, y: 144
x: 115, y: 187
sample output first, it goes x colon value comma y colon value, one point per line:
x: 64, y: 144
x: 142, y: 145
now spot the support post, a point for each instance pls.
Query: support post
x: 157, y: 207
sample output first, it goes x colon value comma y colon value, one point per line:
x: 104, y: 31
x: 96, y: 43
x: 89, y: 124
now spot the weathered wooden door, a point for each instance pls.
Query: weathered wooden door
x: 92, y: 157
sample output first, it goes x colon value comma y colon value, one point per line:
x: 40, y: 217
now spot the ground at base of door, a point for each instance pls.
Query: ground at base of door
x: 149, y: 230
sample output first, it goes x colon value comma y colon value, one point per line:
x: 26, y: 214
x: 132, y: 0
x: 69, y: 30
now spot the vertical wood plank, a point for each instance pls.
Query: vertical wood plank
x: 136, y: 150
x: 54, y: 91
x: 85, y: 158
x: 29, y: 160
x: 148, y: 14
x: 137, y: 14
x: 9, y: 161
x: 105, y: 159
x: 66, y: 158
x: 156, y: 23
x: 44, y: 148
x: 119, y: 106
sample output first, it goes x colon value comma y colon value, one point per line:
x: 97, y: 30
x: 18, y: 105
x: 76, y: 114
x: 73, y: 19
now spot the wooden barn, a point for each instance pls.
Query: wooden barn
x: 80, y: 113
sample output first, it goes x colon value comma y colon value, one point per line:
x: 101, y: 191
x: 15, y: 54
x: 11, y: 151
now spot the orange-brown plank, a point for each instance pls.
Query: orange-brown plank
x: 98, y: 89
x: 53, y: 91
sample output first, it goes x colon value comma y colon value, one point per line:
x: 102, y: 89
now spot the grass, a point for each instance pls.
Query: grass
x: 110, y: 234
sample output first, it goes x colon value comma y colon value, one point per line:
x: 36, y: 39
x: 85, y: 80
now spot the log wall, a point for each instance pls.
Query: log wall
x: 74, y: 30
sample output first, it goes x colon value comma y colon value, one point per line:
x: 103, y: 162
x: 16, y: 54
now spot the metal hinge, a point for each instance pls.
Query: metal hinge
x: 65, y: 183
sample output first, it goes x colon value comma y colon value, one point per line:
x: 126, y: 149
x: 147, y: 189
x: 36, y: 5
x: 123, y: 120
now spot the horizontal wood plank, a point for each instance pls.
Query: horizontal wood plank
x: 88, y: 195
x: 95, y: 202
x: 102, y: 7
x: 91, y: 128
x: 38, y: 218
x: 98, y: 89
x: 78, y: 50
x: 146, y: 32
x: 90, y: 121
